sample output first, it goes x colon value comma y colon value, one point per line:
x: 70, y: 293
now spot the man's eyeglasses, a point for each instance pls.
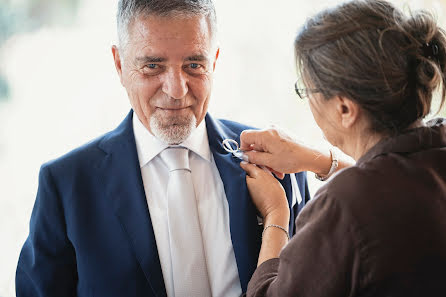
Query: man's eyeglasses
x: 302, y: 91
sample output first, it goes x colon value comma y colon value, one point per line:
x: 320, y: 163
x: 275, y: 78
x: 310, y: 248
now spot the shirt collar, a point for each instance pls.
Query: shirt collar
x: 148, y: 146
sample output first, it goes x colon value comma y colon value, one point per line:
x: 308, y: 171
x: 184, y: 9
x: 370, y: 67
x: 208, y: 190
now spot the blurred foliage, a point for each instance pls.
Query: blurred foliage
x: 4, y: 89
x: 50, y: 12
x: 9, y: 20
x: 28, y: 15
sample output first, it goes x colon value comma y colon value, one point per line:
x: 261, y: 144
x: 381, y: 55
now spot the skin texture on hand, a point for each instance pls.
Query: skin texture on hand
x: 269, y: 197
x: 276, y: 150
x: 266, y: 192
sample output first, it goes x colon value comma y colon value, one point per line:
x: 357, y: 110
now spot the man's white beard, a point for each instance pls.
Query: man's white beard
x: 172, y: 130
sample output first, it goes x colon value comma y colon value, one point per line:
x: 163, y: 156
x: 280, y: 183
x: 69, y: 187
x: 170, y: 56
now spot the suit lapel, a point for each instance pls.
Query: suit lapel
x: 125, y: 188
x: 245, y: 232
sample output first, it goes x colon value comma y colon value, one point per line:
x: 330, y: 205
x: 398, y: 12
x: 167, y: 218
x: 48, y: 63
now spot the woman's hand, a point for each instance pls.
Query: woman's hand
x: 279, y: 152
x: 270, y: 199
x: 267, y: 194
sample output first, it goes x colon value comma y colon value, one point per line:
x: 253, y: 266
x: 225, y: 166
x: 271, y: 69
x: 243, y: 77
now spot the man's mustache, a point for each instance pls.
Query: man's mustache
x: 170, y: 103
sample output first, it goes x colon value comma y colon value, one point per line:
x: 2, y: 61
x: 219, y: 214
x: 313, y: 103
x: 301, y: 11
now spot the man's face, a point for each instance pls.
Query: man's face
x: 167, y: 68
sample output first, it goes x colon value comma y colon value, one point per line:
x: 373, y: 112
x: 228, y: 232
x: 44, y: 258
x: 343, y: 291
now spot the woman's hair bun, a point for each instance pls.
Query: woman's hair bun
x: 429, y: 54
x: 388, y: 62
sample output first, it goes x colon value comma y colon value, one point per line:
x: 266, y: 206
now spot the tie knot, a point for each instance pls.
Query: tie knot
x: 176, y: 158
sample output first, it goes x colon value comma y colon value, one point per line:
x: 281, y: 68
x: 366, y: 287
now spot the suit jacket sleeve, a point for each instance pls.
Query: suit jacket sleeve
x: 47, y: 263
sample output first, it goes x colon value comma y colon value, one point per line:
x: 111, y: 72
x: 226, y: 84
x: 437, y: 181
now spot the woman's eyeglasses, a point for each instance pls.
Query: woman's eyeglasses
x: 302, y: 91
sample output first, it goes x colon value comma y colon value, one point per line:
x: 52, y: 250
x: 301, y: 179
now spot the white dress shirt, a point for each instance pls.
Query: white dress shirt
x: 213, y: 209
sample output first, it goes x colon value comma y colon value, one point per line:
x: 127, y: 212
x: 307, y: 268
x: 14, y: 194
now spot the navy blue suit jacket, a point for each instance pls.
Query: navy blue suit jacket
x: 91, y: 232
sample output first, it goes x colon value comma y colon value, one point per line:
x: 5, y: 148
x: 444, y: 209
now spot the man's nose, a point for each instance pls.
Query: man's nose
x: 175, y: 84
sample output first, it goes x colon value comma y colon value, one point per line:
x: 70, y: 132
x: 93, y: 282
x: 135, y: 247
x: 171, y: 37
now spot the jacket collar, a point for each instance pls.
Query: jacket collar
x: 124, y: 188
x: 245, y: 231
x: 433, y: 135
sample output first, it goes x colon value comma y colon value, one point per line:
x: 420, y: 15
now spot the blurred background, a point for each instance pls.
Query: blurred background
x: 59, y: 88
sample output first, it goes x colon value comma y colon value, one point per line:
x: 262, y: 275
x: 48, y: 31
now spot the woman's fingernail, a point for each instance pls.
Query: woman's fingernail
x: 245, y: 158
x: 244, y: 162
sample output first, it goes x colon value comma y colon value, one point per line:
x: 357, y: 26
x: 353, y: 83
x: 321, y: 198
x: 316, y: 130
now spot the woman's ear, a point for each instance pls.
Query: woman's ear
x: 348, y: 111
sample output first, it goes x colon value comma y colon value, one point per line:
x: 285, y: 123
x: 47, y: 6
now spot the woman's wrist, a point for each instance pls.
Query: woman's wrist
x: 318, y: 162
x: 327, y: 161
x: 275, y: 237
x: 279, y: 217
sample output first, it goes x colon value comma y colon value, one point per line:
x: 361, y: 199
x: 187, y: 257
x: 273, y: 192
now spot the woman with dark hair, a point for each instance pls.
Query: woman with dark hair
x: 377, y: 228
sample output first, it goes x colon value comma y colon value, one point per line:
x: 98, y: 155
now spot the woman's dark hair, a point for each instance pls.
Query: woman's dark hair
x: 370, y: 52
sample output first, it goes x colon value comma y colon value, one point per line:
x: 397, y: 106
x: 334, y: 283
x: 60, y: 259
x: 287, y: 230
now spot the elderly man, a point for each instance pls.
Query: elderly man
x: 156, y: 207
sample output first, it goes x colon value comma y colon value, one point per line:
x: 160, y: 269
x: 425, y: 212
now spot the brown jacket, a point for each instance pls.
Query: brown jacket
x: 376, y: 229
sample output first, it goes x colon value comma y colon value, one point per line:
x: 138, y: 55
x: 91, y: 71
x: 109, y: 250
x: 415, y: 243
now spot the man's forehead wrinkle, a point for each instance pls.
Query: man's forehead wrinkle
x: 138, y: 30
x: 148, y: 39
x: 152, y: 39
x: 198, y: 51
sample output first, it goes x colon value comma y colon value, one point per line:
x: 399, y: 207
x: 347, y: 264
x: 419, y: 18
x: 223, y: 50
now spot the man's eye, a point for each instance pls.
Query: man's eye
x: 194, y: 65
x: 195, y: 68
x: 152, y: 69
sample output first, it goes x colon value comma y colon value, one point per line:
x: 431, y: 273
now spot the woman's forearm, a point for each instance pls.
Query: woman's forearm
x: 274, y: 239
x: 320, y: 162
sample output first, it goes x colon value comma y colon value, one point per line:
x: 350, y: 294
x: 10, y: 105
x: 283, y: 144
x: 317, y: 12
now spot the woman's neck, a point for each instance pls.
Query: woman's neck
x: 363, y: 144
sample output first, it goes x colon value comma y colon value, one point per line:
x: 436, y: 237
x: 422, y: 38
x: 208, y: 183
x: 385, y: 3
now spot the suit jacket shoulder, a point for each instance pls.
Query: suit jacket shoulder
x: 235, y: 126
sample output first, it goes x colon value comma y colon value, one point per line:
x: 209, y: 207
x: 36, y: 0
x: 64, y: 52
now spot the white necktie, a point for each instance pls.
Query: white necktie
x: 190, y: 276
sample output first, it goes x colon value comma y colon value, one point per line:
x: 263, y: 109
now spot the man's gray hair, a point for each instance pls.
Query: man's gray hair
x: 128, y: 10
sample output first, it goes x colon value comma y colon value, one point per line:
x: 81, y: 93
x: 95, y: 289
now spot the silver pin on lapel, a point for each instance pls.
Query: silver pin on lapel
x: 231, y: 146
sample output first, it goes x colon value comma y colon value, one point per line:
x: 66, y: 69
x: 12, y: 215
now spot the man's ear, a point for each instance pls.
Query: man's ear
x: 348, y: 111
x: 118, y: 62
x: 216, y: 57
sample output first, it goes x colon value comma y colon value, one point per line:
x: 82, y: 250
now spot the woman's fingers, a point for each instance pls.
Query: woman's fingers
x: 247, y: 138
x: 278, y: 174
x: 262, y: 159
x: 266, y: 192
x: 254, y: 171
x: 274, y: 149
x: 251, y: 169
x: 252, y: 140
x: 259, y: 158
